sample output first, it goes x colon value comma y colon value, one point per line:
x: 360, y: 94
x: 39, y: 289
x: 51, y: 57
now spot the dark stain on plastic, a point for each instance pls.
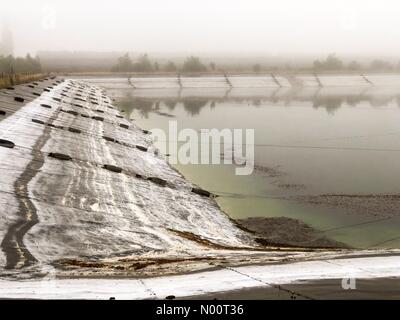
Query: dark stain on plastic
x: 74, y: 130
x: 109, y: 139
x: 201, y: 192
x: 74, y: 113
x: 158, y: 181
x: 55, y: 126
x: 141, y: 148
x: 125, y: 126
x: 45, y: 106
x: 98, y: 118
x: 19, y: 99
x: 112, y: 168
x: 37, y: 121
x: 60, y: 156
x: 7, y: 144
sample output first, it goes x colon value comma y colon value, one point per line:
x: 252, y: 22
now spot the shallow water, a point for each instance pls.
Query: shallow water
x: 334, y: 140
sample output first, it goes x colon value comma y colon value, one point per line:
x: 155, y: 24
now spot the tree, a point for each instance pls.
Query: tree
x: 193, y: 64
x: 212, y: 66
x: 124, y: 64
x: 143, y: 64
x: 28, y: 64
x: 330, y: 63
x: 381, y: 65
x: 354, y: 65
x: 170, y: 67
x: 257, y: 67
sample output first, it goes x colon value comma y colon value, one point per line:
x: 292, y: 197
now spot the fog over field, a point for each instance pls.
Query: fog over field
x: 237, y: 27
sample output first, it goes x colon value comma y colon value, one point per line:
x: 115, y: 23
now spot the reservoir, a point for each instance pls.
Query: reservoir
x: 328, y: 156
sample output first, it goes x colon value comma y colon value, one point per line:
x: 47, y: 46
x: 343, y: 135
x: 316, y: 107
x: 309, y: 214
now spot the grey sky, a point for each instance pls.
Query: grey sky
x: 206, y: 26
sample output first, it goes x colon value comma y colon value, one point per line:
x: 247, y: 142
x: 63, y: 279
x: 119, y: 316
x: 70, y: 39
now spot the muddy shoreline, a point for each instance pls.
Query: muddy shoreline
x: 330, y: 289
x: 288, y: 232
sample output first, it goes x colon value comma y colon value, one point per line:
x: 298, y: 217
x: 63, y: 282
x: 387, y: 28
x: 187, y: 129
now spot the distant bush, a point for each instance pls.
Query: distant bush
x: 330, y: 63
x: 193, y: 64
x: 354, y: 65
x: 381, y: 65
x: 143, y: 65
x: 212, y: 66
x: 170, y: 67
x: 28, y: 64
x: 125, y: 64
x: 257, y: 67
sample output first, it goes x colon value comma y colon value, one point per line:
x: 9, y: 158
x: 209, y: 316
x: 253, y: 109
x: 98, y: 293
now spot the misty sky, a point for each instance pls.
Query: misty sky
x: 206, y: 26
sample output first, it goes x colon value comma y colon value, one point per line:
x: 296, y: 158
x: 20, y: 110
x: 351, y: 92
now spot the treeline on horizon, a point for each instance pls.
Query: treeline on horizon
x: 71, y: 62
x: 15, y: 65
x: 143, y: 64
x: 194, y: 64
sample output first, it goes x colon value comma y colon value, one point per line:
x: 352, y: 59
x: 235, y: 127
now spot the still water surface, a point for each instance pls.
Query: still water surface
x: 310, y: 141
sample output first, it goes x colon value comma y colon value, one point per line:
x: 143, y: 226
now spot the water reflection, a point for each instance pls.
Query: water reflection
x: 194, y: 100
x: 305, y: 150
x: 194, y: 106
